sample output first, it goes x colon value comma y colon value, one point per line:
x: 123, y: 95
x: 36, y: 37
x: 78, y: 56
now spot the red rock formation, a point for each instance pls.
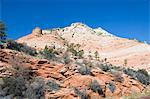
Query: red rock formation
x: 53, y: 70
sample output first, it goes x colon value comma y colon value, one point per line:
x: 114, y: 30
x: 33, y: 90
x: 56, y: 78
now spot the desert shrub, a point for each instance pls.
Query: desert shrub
x: 51, y: 85
x: 96, y: 87
x: 112, y: 87
x: 105, y: 67
x: 118, y: 77
x: 22, y: 84
x: 36, y: 89
x: 80, y: 53
x: 115, y: 69
x: 141, y: 75
x: 96, y: 55
x: 71, y: 48
x: 22, y: 70
x: 11, y: 44
x: 130, y: 72
x: 84, y: 70
x: 14, y: 86
x: 66, y: 58
x: 75, y: 50
x: 143, y: 78
x: 49, y: 53
x: 87, y: 63
x: 28, y: 50
x: 143, y: 71
x: 81, y: 94
x: 19, y: 87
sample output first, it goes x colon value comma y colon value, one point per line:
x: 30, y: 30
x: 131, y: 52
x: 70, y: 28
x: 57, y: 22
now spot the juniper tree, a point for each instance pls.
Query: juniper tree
x: 2, y: 32
x: 96, y: 55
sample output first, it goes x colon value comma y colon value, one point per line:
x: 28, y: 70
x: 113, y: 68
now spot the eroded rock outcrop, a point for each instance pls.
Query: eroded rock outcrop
x: 68, y: 80
x: 37, y: 31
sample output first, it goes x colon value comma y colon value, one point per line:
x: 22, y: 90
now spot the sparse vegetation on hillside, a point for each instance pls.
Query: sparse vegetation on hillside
x: 14, y: 86
x: 141, y: 75
x: 142, y: 95
x: 23, y: 85
x: 17, y: 85
x: 11, y: 44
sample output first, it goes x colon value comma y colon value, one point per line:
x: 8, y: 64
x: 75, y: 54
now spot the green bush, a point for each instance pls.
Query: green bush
x: 49, y: 53
x: 80, y: 53
x: 75, y: 50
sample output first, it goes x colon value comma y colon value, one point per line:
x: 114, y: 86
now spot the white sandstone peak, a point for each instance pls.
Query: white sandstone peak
x: 101, y: 31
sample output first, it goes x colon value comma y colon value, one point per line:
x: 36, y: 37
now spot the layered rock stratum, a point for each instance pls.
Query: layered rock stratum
x: 115, y: 49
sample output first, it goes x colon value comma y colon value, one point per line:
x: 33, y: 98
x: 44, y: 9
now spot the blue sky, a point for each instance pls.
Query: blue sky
x: 125, y: 18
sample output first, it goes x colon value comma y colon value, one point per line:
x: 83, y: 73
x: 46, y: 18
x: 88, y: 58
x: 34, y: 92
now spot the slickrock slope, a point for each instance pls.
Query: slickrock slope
x: 72, y: 84
x: 118, y: 51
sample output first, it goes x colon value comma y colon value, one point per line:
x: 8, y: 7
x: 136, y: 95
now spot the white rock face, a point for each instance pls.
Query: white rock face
x: 46, y: 31
x: 101, y: 31
x: 79, y: 28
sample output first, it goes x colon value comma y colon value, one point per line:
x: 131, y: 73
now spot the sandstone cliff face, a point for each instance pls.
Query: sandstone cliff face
x: 118, y: 51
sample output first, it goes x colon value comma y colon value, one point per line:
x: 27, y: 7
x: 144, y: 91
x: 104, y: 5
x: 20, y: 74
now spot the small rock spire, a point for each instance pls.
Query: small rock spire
x: 37, y: 31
